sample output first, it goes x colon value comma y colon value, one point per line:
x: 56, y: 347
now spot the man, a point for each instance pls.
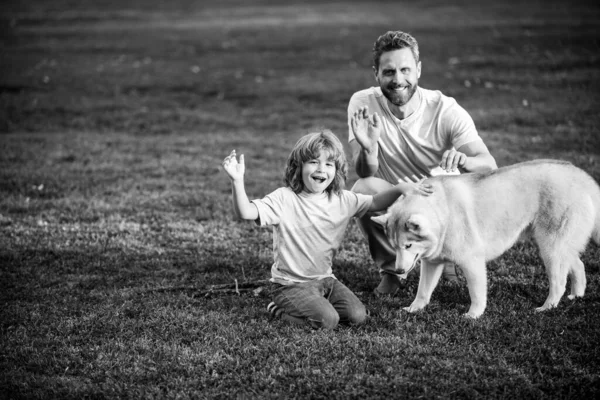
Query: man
x: 412, y: 134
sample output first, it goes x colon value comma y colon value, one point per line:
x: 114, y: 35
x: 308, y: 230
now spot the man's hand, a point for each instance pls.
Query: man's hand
x: 452, y: 159
x: 366, y: 128
x: 234, y: 169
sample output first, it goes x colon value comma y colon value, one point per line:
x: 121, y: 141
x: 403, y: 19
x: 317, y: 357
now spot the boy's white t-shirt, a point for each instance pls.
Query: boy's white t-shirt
x: 307, y: 230
x: 411, y: 149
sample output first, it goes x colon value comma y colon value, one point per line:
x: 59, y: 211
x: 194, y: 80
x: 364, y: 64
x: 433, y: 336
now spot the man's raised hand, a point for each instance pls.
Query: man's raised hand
x: 366, y: 128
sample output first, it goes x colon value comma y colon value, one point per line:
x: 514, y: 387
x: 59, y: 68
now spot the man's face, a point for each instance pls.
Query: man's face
x: 398, y: 75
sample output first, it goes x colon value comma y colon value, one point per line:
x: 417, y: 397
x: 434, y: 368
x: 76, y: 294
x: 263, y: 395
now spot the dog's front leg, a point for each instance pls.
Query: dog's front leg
x: 430, y: 276
x: 476, y: 276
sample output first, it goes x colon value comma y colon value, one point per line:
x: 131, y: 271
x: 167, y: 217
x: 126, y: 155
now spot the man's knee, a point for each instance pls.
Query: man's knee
x: 370, y: 185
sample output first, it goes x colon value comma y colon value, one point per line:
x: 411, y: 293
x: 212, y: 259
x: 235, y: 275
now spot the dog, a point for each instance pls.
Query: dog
x: 473, y: 218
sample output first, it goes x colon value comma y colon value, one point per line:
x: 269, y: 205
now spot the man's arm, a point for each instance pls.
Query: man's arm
x: 365, y: 160
x: 479, y: 158
x: 473, y: 156
x: 366, y: 130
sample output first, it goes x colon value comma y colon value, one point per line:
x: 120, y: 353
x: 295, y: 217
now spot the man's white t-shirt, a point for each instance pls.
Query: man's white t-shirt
x: 411, y: 149
x: 307, y: 230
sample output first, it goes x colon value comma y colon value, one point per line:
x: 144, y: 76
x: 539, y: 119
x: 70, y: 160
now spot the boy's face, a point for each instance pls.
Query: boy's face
x: 318, y: 173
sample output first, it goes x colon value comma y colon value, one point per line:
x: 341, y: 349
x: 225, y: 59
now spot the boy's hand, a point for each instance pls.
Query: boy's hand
x: 366, y: 128
x: 234, y: 169
x: 420, y: 188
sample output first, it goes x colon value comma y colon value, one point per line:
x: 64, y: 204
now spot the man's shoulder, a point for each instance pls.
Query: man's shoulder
x: 436, y: 97
x: 366, y: 95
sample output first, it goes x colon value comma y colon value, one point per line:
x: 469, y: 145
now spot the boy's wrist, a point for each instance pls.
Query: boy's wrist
x: 402, y: 187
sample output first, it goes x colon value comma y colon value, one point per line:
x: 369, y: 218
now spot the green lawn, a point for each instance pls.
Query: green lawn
x: 115, y: 218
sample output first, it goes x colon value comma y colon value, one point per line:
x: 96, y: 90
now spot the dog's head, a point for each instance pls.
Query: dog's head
x: 411, y: 233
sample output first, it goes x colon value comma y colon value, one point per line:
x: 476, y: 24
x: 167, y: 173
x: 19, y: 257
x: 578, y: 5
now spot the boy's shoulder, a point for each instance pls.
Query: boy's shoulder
x: 279, y: 195
x: 283, y: 192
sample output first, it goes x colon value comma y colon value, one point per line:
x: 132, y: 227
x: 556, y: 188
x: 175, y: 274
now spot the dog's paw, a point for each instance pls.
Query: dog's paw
x: 545, y: 307
x: 414, y: 307
x: 475, y: 312
x: 410, y: 310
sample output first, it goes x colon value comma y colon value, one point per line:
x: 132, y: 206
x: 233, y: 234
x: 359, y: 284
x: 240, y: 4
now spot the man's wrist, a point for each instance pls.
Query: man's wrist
x: 371, y: 150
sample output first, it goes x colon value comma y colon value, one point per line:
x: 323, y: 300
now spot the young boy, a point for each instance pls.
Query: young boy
x: 310, y: 215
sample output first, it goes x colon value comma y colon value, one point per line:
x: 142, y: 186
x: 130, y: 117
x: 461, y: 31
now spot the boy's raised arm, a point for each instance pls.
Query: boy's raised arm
x: 242, y: 206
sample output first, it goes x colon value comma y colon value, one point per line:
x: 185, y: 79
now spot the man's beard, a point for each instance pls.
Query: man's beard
x: 399, y: 99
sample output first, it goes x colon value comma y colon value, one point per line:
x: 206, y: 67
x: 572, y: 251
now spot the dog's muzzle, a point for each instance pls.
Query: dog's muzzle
x: 406, y: 262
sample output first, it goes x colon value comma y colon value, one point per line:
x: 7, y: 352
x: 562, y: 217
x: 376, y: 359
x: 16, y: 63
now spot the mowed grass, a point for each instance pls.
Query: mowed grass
x: 115, y: 218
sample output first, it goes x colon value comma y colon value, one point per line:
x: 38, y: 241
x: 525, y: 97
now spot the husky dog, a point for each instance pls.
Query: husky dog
x: 473, y: 218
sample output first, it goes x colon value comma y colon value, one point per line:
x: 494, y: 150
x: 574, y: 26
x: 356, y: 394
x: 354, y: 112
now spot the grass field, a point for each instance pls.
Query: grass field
x: 115, y: 217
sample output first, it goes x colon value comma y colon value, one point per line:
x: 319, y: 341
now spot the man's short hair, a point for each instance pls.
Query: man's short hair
x: 394, y: 40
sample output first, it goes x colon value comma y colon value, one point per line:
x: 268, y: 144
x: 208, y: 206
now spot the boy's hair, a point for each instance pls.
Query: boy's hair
x: 309, y: 147
x: 394, y: 40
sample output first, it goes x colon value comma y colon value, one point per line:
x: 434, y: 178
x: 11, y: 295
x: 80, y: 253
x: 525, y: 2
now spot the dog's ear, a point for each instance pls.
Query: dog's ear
x: 381, y: 219
x: 414, y: 224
